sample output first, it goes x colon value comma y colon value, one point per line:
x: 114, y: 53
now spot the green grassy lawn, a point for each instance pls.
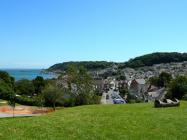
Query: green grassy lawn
x: 100, y: 122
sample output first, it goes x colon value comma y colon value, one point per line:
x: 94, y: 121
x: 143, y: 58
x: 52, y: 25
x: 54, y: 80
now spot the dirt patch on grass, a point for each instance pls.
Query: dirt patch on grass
x: 25, y: 110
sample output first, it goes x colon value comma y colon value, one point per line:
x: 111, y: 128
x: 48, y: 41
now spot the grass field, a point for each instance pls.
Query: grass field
x: 100, y: 122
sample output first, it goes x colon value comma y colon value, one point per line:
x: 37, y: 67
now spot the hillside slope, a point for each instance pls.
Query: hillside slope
x: 141, y: 61
x: 136, y: 122
x: 155, y: 58
x: 89, y: 65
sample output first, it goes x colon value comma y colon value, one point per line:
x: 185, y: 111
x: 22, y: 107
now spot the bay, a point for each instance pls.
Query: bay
x: 29, y: 74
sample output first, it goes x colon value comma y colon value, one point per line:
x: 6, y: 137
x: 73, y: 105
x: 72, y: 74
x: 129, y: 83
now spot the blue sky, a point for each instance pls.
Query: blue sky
x: 39, y: 33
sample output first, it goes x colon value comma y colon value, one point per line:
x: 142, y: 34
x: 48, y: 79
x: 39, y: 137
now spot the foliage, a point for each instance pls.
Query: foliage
x: 133, y: 99
x: 141, y: 61
x: 5, y: 77
x: 155, y: 58
x: 12, y: 101
x: 89, y: 65
x: 98, y: 92
x: 81, y: 85
x: 68, y: 101
x: 25, y: 87
x: 53, y: 94
x: 162, y: 81
x: 5, y: 90
x: 24, y: 100
x: 39, y: 84
x: 154, y: 81
x: 121, y: 77
x: 178, y: 88
x: 123, y: 92
x: 185, y: 97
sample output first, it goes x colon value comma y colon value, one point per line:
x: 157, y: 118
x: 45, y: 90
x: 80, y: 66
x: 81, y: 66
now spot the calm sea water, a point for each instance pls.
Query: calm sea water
x: 29, y: 74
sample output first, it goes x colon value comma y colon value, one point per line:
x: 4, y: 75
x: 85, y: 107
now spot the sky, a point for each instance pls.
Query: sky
x: 40, y: 33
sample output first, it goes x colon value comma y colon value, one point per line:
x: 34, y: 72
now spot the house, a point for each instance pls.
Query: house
x: 152, y: 88
x: 138, y: 88
x: 99, y: 84
x: 112, y: 85
x: 157, y: 94
x: 123, y: 84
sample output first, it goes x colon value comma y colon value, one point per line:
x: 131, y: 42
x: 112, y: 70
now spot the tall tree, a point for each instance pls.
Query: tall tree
x: 81, y: 83
x: 6, y: 85
x: 178, y: 87
x: 53, y: 94
x: 12, y: 101
x: 162, y: 80
x: 25, y: 87
x: 39, y: 84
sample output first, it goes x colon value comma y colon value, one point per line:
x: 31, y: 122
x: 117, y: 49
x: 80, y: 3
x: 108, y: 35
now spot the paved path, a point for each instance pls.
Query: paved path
x: 109, y: 94
x: 103, y: 98
x: 107, y: 101
x: 110, y: 100
x: 6, y: 115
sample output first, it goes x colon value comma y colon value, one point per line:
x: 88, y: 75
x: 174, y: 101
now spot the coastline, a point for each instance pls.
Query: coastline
x: 30, y: 74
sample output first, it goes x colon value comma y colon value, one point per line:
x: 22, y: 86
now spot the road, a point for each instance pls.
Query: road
x: 110, y: 93
x: 103, y: 98
x: 6, y: 115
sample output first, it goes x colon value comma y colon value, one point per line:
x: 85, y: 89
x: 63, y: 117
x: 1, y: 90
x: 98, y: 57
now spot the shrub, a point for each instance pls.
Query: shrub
x: 26, y: 100
x: 5, y: 91
x: 24, y: 87
x: 53, y: 95
x: 185, y: 97
x: 178, y: 87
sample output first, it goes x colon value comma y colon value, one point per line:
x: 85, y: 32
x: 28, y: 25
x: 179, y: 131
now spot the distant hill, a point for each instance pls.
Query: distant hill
x: 141, y: 61
x: 155, y: 58
x: 89, y: 65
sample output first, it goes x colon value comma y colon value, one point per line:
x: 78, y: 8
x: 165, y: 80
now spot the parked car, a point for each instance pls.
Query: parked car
x: 118, y: 101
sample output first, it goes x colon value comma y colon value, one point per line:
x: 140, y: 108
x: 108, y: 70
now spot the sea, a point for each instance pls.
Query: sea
x: 29, y: 74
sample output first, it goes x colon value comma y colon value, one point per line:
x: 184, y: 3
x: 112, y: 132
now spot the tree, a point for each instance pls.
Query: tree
x: 39, y: 84
x: 154, y: 81
x: 72, y: 72
x: 6, y: 85
x: 121, y: 77
x: 123, y: 91
x: 53, y: 94
x: 12, y: 101
x: 162, y: 81
x: 4, y: 76
x: 178, y: 88
x: 25, y: 87
x: 81, y: 85
x: 155, y: 58
x: 5, y: 90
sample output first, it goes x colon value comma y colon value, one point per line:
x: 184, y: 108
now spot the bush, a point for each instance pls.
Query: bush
x: 185, y: 97
x: 26, y: 100
x: 25, y: 87
x: 69, y: 102
x: 131, y: 101
x: 53, y: 95
x: 5, y: 91
x: 178, y: 88
x: 39, y: 84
